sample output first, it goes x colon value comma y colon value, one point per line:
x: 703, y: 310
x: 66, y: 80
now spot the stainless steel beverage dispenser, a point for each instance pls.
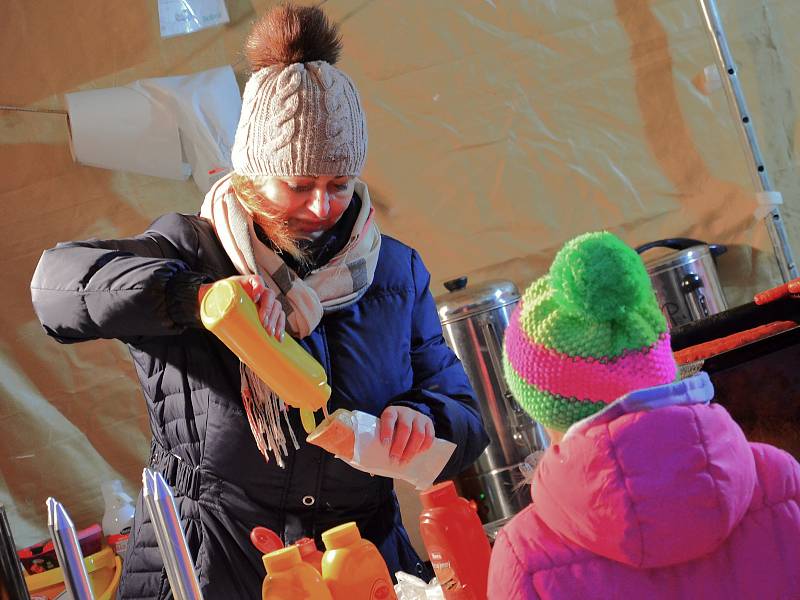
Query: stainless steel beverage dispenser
x: 474, y: 320
x: 686, y: 282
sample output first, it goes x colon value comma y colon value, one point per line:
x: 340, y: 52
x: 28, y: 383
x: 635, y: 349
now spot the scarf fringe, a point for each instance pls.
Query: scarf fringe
x: 263, y: 408
x: 336, y: 285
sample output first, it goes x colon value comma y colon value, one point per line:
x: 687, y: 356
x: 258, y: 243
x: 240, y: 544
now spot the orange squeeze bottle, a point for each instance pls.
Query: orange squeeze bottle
x: 293, y: 374
x: 335, y: 434
x: 289, y: 578
x: 353, y: 568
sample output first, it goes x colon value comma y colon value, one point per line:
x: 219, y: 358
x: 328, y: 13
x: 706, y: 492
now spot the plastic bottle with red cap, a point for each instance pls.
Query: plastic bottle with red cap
x: 456, y: 542
x: 265, y: 540
x: 310, y: 553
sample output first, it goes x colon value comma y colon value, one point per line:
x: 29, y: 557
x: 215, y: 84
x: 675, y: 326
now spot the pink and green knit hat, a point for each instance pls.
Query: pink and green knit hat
x: 586, y: 333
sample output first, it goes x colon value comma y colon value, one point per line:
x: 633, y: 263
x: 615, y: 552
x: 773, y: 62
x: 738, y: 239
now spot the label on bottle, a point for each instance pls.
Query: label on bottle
x: 118, y: 543
x: 444, y: 571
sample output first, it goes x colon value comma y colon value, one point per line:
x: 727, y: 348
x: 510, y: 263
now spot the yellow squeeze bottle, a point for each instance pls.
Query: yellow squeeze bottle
x: 353, y: 568
x: 289, y: 578
x: 291, y: 372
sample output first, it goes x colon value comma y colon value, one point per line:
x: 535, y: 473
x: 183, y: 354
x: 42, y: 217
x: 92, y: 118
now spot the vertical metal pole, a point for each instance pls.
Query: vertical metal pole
x: 12, y: 582
x: 758, y: 170
x: 171, y: 540
x: 68, y: 551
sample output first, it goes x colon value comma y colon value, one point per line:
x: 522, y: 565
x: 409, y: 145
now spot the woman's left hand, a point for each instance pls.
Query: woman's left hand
x: 407, y: 432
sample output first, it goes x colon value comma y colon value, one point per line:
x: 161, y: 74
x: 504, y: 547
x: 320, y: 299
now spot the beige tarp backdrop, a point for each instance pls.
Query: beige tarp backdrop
x: 498, y: 129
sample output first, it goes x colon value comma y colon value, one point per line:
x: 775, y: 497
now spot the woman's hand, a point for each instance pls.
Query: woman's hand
x: 406, y: 432
x: 270, y: 311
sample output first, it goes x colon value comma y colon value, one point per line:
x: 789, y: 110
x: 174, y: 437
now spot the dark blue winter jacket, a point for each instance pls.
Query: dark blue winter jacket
x: 386, y: 349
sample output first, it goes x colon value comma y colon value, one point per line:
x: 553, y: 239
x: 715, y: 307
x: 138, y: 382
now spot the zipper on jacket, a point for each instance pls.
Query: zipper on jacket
x: 323, y: 458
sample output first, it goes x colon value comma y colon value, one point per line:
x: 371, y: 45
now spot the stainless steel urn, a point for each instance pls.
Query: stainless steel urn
x: 474, y: 320
x: 686, y: 282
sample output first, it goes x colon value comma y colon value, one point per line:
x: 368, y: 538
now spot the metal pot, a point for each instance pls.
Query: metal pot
x: 686, y: 281
x: 473, y: 321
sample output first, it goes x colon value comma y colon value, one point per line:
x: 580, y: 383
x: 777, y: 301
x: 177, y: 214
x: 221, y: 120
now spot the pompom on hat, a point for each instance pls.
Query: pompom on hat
x: 586, y: 333
x: 300, y: 114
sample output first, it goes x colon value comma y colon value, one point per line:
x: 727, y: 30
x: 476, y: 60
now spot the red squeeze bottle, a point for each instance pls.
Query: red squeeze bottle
x: 456, y: 543
x: 310, y: 553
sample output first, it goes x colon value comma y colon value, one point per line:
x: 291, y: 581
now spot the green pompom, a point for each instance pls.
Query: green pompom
x: 598, y: 276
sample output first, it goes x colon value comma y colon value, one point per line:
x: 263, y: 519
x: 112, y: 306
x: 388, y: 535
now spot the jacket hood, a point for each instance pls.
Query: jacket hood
x: 659, y: 477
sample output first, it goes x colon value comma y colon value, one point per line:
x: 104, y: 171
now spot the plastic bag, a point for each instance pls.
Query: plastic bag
x: 409, y: 587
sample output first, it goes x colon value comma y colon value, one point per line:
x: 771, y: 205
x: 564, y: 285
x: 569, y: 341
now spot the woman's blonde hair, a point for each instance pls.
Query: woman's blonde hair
x: 272, y: 222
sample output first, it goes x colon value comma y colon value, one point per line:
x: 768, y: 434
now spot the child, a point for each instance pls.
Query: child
x: 649, y: 491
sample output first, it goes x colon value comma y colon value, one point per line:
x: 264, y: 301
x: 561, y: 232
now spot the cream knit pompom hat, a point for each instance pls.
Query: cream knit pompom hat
x: 300, y: 114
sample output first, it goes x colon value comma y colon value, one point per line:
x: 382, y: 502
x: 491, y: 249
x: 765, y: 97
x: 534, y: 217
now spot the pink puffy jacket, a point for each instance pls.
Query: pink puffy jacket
x: 660, y: 497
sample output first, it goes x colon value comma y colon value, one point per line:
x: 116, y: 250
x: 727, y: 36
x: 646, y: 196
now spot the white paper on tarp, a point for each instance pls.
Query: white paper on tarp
x: 206, y: 106
x: 179, y: 17
x: 371, y: 456
x: 166, y: 126
x: 122, y: 129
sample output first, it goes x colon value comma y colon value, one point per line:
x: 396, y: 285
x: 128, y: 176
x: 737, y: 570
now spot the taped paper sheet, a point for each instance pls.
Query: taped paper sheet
x: 179, y: 17
x: 206, y: 107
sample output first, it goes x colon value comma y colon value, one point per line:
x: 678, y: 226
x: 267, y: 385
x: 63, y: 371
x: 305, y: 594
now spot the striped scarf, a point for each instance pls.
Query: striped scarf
x: 330, y: 287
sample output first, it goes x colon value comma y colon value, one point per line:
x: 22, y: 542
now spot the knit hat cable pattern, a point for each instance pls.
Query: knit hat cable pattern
x: 301, y: 119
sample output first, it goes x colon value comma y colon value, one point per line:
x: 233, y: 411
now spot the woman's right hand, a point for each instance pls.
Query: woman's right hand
x: 270, y: 311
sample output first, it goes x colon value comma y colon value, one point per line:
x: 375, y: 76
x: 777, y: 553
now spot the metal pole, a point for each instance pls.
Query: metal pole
x: 171, y: 540
x: 12, y: 581
x: 758, y: 170
x: 68, y: 550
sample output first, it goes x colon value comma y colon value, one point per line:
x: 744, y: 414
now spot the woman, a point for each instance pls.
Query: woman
x: 652, y: 492
x: 295, y: 226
